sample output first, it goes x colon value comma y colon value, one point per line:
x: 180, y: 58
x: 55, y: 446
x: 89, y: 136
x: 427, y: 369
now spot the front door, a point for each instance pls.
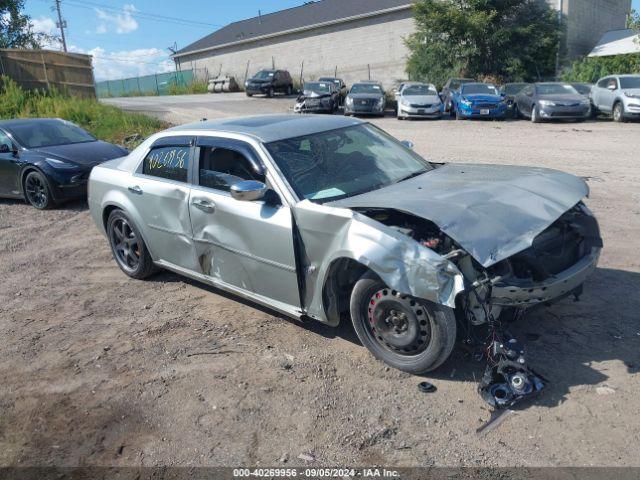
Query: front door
x: 160, y: 192
x: 9, y: 168
x: 245, y: 245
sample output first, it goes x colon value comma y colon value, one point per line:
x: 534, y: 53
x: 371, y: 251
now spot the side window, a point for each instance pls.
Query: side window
x: 167, y: 162
x: 603, y: 83
x: 222, y: 167
x: 5, y: 140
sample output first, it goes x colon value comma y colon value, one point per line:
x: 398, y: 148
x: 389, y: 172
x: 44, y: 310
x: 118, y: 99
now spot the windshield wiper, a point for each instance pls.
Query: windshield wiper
x: 412, y: 175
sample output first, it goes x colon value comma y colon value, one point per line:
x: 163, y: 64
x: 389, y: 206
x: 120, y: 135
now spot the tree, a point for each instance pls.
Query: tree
x: 15, y: 27
x: 514, y: 40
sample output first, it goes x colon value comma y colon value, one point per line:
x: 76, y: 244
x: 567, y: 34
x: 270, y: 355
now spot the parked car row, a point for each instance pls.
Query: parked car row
x: 462, y: 98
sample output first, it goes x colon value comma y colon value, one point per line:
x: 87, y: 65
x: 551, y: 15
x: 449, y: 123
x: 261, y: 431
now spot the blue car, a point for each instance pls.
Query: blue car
x: 478, y: 100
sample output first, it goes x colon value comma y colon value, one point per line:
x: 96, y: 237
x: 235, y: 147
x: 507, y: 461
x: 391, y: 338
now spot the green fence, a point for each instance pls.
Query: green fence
x: 158, y: 84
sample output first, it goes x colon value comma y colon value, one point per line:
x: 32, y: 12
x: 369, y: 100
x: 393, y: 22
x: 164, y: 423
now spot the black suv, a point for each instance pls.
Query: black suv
x: 269, y: 82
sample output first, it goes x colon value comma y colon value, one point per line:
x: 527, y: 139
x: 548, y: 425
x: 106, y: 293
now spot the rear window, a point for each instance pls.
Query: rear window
x: 171, y: 163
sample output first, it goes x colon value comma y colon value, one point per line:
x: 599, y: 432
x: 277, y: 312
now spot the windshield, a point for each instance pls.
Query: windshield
x: 555, y: 89
x: 264, y: 75
x: 318, y: 87
x: 629, y: 82
x: 582, y: 89
x: 366, y: 88
x: 344, y: 162
x: 49, y: 134
x: 419, y: 90
x: 514, y: 88
x: 479, y: 88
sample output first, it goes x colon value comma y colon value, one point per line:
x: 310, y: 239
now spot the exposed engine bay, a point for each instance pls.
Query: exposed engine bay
x: 485, y: 306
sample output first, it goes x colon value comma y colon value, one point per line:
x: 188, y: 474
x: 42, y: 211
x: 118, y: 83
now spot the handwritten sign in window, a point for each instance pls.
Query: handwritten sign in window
x: 167, y: 162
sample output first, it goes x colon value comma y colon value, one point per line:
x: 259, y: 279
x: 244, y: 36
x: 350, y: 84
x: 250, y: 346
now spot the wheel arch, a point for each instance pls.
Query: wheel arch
x: 342, y: 275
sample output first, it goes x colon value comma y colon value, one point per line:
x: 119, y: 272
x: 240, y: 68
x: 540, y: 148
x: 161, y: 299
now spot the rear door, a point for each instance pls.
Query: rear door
x: 245, y: 245
x: 160, y: 192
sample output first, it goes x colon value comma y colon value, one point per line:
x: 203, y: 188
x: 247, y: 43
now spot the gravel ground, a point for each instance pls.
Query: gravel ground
x: 99, y: 369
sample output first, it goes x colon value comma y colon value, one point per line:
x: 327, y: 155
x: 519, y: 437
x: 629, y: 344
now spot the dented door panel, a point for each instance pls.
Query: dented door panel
x: 245, y: 244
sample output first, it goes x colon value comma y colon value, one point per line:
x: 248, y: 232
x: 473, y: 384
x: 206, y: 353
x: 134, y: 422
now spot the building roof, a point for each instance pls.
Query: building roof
x: 269, y: 128
x: 305, y: 17
x: 617, y: 42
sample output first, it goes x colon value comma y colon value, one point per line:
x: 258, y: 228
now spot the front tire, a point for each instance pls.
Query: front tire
x: 128, y: 247
x: 270, y: 92
x: 618, y: 113
x: 37, y: 192
x: 535, y: 115
x: 406, y: 333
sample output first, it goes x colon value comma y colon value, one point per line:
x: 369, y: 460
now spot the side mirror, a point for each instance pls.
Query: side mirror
x: 407, y: 143
x: 612, y: 87
x: 248, y: 190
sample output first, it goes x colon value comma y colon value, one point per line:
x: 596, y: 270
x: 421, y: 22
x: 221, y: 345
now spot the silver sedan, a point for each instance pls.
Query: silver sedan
x: 327, y: 218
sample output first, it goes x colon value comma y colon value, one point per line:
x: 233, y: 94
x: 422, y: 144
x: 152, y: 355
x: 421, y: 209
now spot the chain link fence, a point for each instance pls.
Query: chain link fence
x: 157, y: 84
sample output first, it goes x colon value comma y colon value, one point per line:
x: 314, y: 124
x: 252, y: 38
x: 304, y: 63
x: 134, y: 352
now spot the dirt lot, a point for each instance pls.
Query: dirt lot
x: 98, y: 369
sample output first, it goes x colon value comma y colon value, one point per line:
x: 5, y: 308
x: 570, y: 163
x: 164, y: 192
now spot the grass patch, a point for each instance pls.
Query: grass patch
x: 105, y: 122
x: 197, y: 86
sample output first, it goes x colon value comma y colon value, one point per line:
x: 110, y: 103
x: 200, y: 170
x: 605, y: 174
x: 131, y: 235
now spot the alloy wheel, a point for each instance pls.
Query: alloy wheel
x: 125, y: 244
x: 36, y: 191
x: 398, y: 323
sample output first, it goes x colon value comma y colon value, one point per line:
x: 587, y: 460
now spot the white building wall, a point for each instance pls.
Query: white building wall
x: 352, y: 47
x: 377, y: 44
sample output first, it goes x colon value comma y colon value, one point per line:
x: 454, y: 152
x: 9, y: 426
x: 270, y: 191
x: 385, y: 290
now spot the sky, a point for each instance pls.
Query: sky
x: 132, y: 38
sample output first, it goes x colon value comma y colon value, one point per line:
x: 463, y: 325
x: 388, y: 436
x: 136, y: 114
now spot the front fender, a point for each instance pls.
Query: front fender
x: 330, y: 233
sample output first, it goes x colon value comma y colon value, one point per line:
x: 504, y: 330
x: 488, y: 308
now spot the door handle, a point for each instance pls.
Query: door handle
x: 135, y: 189
x: 204, y: 205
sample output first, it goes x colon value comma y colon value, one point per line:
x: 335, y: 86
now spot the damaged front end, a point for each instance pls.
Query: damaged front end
x: 553, y: 267
x: 314, y: 103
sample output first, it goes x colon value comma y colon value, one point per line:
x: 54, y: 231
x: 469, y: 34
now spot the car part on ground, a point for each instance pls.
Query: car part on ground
x: 365, y: 98
x: 477, y: 100
x: 48, y: 160
x: 418, y: 100
x: 318, y: 97
x: 552, y: 101
x: 326, y: 217
x: 618, y: 96
x: 269, y: 82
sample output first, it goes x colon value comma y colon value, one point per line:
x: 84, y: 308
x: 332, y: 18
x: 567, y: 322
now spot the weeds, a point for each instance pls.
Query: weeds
x: 103, y: 121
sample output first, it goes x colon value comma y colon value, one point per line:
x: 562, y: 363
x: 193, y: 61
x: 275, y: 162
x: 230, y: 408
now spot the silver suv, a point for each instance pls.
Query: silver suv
x: 618, y: 95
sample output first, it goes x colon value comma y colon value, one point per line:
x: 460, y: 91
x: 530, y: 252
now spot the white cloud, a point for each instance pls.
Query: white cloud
x: 128, y: 63
x: 47, y: 26
x: 121, y: 22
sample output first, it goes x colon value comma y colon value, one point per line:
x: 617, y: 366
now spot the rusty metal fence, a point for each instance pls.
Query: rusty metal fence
x: 44, y: 69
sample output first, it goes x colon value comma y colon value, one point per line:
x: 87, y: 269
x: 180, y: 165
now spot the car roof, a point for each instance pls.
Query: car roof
x: 269, y: 128
x: 14, y: 122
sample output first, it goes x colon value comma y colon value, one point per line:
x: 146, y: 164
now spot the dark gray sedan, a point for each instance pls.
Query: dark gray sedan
x: 365, y: 98
x: 550, y: 101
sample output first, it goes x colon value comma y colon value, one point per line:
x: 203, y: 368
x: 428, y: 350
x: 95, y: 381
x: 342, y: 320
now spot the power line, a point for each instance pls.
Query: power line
x: 141, y: 15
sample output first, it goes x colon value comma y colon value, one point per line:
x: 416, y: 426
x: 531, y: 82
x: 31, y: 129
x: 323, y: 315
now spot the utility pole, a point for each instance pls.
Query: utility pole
x: 61, y: 24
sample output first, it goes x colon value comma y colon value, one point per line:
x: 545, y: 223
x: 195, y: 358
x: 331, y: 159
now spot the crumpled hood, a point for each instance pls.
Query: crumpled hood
x: 85, y: 153
x: 633, y: 91
x: 492, y: 211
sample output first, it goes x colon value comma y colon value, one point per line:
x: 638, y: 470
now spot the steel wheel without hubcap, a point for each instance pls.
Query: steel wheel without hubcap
x: 36, y: 190
x: 398, y: 322
x: 125, y: 245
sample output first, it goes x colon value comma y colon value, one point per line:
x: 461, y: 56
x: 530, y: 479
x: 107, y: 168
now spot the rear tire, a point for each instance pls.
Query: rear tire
x: 409, y: 334
x: 128, y: 247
